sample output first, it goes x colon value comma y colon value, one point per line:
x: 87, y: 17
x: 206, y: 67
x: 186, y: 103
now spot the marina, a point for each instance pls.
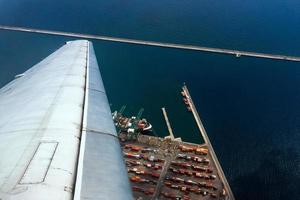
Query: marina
x: 236, y: 53
x: 168, y: 168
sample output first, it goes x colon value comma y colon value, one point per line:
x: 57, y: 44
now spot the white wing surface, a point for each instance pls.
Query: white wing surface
x: 56, y: 131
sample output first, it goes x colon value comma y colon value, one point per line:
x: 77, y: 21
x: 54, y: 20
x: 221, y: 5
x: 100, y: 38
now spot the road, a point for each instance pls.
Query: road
x: 207, y: 141
x: 153, y: 43
x: 160, y: 181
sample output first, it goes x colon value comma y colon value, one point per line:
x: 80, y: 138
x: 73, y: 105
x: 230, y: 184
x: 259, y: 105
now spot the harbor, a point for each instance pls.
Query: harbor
x: 236, y: 53
x: 168, y: 168
x: 248, y: 105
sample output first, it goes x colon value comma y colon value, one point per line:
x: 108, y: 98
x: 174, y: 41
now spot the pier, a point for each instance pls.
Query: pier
x: 168, y: 123
x: 207, y: 142
x: 236, y: 53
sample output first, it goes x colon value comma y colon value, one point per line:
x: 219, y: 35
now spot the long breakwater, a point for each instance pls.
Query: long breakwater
x: 237, y: 53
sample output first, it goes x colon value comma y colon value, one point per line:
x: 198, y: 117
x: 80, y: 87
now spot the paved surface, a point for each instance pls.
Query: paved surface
x: 158, y: 44
x: 168, y: 123
x: 165, y: 186
x: 161, y: 179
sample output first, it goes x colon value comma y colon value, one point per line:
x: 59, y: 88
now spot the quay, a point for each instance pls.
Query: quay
x: 236, y: 53
x: 207, y: 142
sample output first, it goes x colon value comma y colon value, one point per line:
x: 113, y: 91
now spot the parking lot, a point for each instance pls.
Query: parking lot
x: 165, y: 169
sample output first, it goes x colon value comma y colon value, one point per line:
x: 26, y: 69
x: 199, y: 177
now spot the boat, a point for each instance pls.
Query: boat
x: 144, y: 125
x: 148, y: 127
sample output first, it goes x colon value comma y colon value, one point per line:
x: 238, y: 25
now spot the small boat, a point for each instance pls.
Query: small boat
x: 148, y: 127
x: 238, y: 55
x: 19, y: 76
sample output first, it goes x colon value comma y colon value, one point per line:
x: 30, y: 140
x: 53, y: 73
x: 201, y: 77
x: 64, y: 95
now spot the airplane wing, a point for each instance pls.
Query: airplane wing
x: 57, y: 137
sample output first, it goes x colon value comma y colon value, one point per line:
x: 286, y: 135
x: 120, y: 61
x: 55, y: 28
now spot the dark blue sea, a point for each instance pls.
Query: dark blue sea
x: 250, y: 107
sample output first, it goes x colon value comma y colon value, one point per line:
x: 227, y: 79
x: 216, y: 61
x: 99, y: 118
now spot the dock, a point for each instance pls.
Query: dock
x: 236, y: 53
x: 207, y: 142
x: 168, y: 123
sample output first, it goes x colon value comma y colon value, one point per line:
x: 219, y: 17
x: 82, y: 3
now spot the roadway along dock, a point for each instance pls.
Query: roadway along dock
x: 207, y: 141
x: 157, y: 44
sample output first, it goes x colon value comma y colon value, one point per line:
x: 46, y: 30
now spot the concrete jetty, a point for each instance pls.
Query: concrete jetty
x: 207, y: 142
x: 168, y: 123
x: 236, y: 53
